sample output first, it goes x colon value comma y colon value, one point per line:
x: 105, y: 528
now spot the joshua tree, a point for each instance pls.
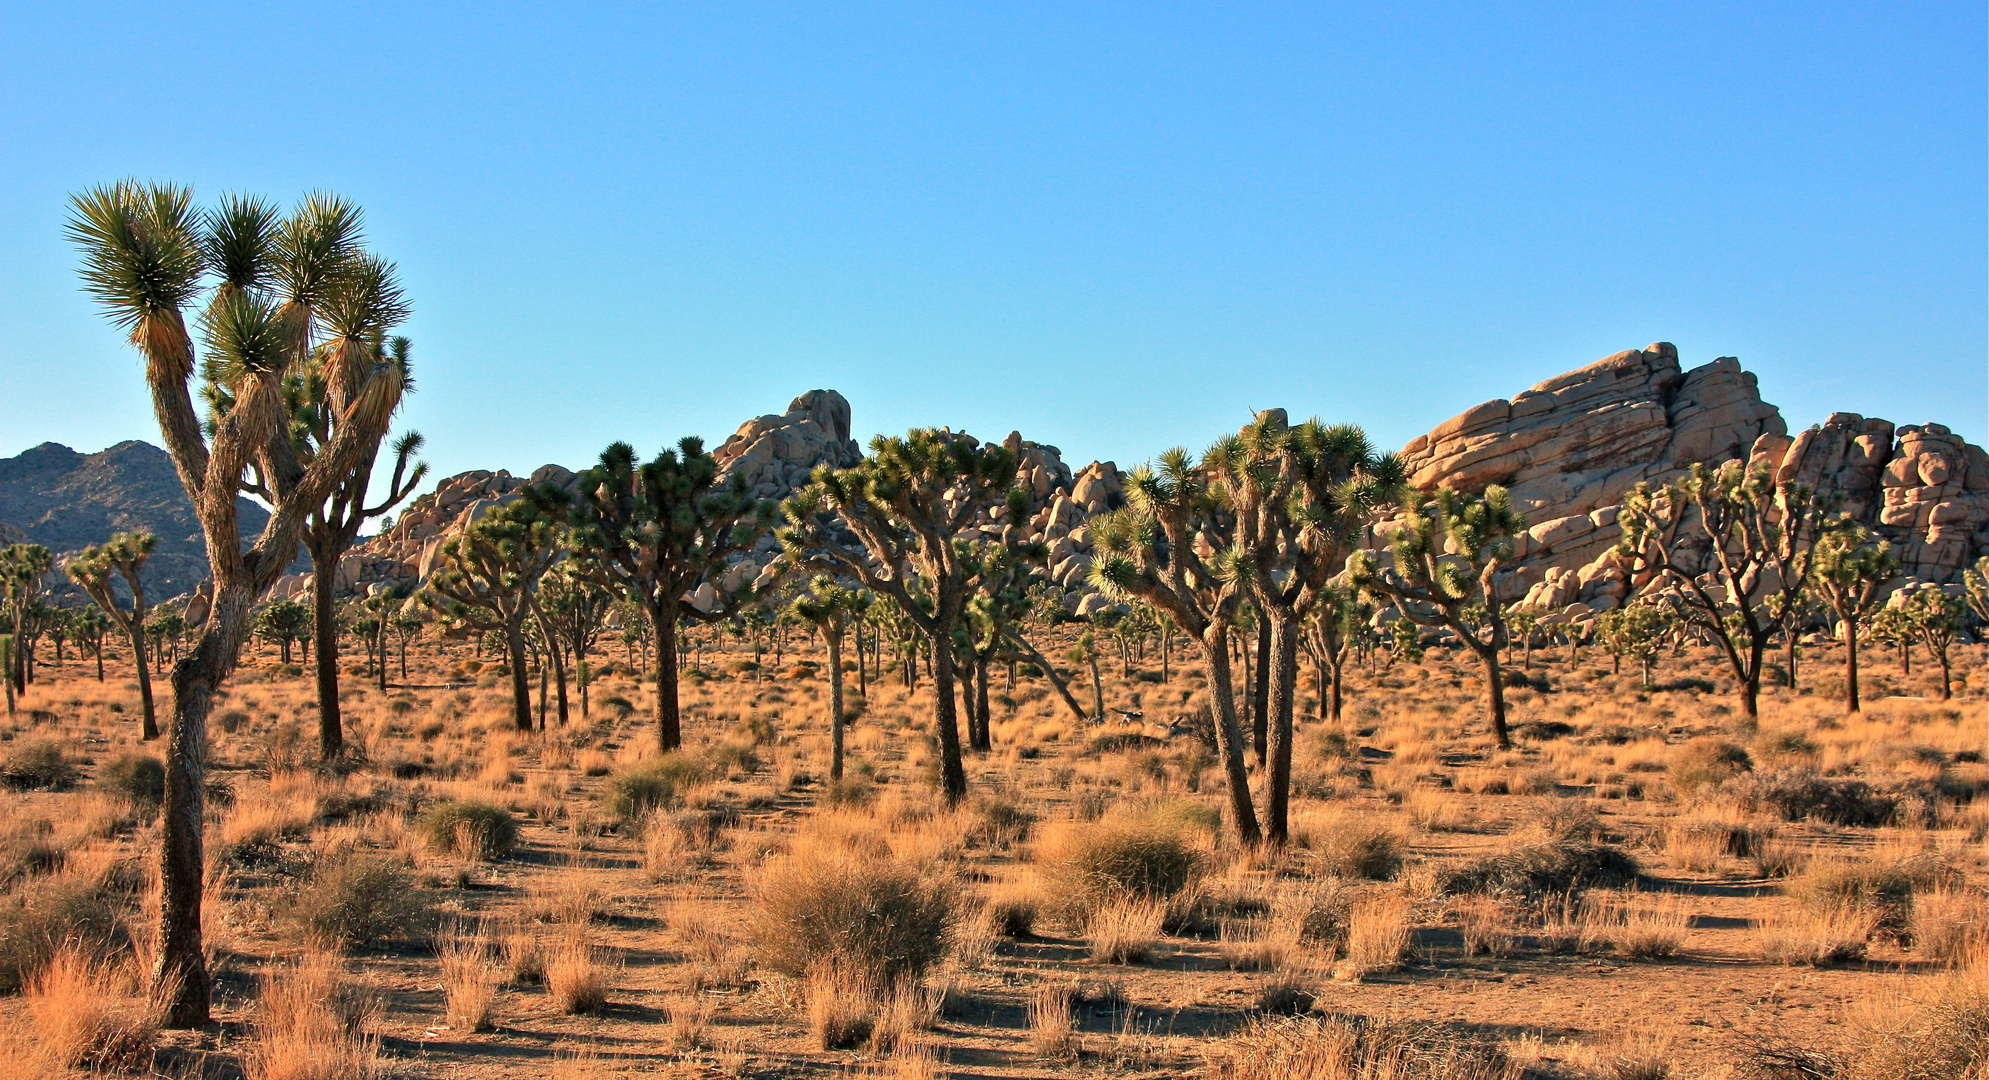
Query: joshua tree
x: 909, y: 503
x: 23, y: 570
x: 1891, y: 626
x: 124, y: 554
x: 1637, y: 631
x: 1085, y: 651
x: 408, y: 626
x: 653, y: 532
x: 574, y: 608
x: 1934, y: 616
x: 1001, y: 577
x: 285, y: 622
x: 1446, y: 560
x: 146, y: 251
x: 1301, y: 498
x: 1976, y: 583
x: 332, y: 526
x: 90, y: 625
x: 484, y: 579
x: 1848, y: 568
x: 1338, y: 624
x: 166, y: 627
x: 1749, y: 540
x: 828, y: 607
x: 1166, y: 547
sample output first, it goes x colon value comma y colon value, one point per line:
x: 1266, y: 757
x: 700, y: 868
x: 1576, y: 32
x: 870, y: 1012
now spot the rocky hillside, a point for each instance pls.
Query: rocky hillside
x: 53, y: 496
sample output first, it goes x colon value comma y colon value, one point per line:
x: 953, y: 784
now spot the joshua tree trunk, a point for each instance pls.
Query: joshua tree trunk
x: 981, y: 706
x: 1282, y: 665
x: 1260, y: 682
x: 521, y: 687
x: 1495, y: 689
x: 1229, y: 736
x: 1097, y: 688
x: 1851, y: 665
x: 150, y: 728
x: 836, y: 704
x: 1789, y: 655
x: 669, y: 731
x: 324, y: 639
x: 953, y: 772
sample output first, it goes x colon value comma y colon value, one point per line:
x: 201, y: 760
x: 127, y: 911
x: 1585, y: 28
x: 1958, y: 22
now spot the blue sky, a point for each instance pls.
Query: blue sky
x: 1116, y: 228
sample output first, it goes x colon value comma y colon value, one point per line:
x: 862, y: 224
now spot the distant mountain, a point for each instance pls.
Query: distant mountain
x: 54, y: 496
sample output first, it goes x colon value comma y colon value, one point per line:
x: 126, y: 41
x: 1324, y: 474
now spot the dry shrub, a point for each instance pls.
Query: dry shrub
x: 1900, y: 1031
x: 842, y: 1004
x: 1639, y: 931
x: 1708, y: 763
x: 1816, y: 938
x: 1126, y: 858
x: 1879, y: 890
x: 1561, y: 854
x: 1801, y: 793
x: 311, y: 1025
x: 470, y: 980
x: 866, y: 915
x: 68, y: 909
x: 1354, y: 1048
x: 1052, y: 1028
x: 1354, y: 845
x: 38, y: 763
x: 660, y: 784
x: 360, y: 900
x: 909, y: 1009
x: 576, y: 978
x: 1012, y: 909
x: 1377, y: 937
x: 138, y: 777
x: 1950, y: 926
x: 1487, y: 927
x: 998, y: 822
x: 1125, y: 930
x: 473, y: 830
x: 83, y: 1019
x: 689, y: 1017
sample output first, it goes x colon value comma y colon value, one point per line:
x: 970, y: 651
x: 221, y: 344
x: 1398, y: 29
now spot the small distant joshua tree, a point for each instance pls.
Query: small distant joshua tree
x: 485, y: 578
x: 1446, y: 560
x: 830, y: 608
x: 23, y: 572
x: 1848, y: 569
x: 124, y: 555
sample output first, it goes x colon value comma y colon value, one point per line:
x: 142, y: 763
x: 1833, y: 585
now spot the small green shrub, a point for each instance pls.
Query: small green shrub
x: 361, y: 900
x: 39, y: 763
x: 138, y: 777
x: 631, y: 793
x: 469, y: 828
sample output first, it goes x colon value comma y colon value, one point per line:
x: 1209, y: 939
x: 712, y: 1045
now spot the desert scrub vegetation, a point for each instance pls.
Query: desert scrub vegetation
x: 1355, y: 1048
x: 865, y: 915
x: 473, y: 830
x: 1147, y: 855
x: 655, y: 785
x: 358, y: 900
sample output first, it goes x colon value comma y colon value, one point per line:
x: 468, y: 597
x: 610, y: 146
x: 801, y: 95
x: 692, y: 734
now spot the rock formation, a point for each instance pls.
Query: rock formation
x: 777, y: 452
x: 53, y: 496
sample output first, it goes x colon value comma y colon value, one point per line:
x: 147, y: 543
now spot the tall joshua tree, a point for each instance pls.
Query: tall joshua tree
x: 1445, y: 561
x: 1301, y: 498
x: 1849, y: 567
x: 909, y: 504
x: 147, y: 255
x: 1149, y: 550
x: 23, y: 571
x: 829, y: 607
x: 652, y: 532
x: 1733, y: 545
x: 485, y: 578
x: 124, y: 555
x: 333, y: 526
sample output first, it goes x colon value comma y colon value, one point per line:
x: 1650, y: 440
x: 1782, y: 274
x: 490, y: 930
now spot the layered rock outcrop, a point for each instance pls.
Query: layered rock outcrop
x: 777, y: 452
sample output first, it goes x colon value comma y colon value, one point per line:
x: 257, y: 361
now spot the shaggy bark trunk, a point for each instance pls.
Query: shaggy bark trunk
x: 1850, y: 665
x: 953, y: 772
x: 981, y: 706
x: 1495, y: 692
x: 1789, y: 654
x: 669, y: 730
x: 1229, y: 737
x: 836, y: 705
x: 324, y: 639
x: 1097, y: 688
x: 1282, y: 664
x: 150, y: 721
x: 1254, y: 675
x: 521, y: 686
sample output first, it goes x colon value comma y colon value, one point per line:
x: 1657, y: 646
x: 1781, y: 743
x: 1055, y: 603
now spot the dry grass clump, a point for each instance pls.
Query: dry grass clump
x: 1561, y: 854
x: 84, y: 1019
x: 311, y: 1024
x: 1487, y: 926
x: 1354, y: 1048
x: 471, y: 977
x: 1708, y: 763
x: 38, y: 764
x: 1012, y: 909
x: 473, y: 830
x: 138, y: 777
x: 1052, y: 1028
x: 1125, y: 930
x: 1377, y: 937
x: 842, y: 1004
x: 1131, y: 857
x: 1838, y: 935
x: 1901, y: 1032
x: 1357, y: 846
x: 359, y: 900
x: 575, y: 977
x: 1639, y: 931
x: 1800, y: 793
x: 1950, y: 925
x: 660, y: 784
x: 1879, y: 890
x: 863, y: 913
x: 69, y: 909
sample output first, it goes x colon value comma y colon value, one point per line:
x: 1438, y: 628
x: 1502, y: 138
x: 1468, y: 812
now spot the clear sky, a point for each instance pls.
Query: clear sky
x: 1116, y: 228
